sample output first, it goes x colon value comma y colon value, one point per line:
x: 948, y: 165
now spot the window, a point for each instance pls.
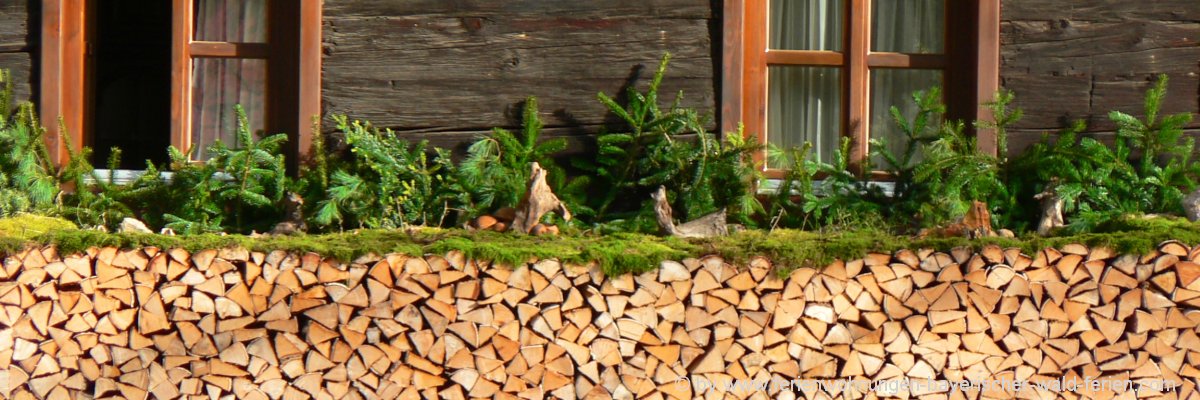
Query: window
x: 141, y: 75
x: 817, y: 70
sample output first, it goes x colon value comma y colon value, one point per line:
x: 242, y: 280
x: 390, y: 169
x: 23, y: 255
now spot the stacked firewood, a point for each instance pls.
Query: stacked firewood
x: 164, y: 324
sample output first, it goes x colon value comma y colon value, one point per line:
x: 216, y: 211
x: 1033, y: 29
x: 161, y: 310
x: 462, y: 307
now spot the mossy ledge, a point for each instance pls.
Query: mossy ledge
x: 625, y: 252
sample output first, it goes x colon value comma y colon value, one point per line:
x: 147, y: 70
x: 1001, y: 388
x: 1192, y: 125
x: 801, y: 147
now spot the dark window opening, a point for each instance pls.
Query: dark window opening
x: 130, y: 77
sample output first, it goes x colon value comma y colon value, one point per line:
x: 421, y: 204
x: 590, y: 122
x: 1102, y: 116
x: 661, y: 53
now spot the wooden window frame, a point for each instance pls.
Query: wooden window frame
x: 973, y: 33
x: 63, y: 91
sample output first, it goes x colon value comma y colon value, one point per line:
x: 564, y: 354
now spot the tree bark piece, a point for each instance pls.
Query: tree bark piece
x: 538, y: 201
x: 707, y: 226
x: 1052, y: 209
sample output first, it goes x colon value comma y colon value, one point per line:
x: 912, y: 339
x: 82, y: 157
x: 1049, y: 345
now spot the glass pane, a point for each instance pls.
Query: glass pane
x: 895, y: 87
x: 805, y: 105
x: 807, y: 24
x: 238, y: 21
x: 908, y: 26
x: 218, y: 84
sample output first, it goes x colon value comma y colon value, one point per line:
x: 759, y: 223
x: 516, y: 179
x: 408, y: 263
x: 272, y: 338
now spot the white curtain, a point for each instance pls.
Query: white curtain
x: 903, y: 26
x: 219, y: 84
x: 908, y: 26
x: 804, y: 103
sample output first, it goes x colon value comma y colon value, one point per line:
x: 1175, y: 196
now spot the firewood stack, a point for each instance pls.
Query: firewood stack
x: 220, y: 324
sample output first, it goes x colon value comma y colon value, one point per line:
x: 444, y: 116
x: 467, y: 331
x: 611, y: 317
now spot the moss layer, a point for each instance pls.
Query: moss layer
x: 29, y: 226
x: 619, y: 253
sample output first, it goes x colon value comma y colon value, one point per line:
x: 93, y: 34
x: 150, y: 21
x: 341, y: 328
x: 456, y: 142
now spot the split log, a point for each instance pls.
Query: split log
x: 236, y: 324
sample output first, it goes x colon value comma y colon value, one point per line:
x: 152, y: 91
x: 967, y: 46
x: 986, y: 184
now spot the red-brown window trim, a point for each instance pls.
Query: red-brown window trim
x: 746, y: 57
x: 63, y: 85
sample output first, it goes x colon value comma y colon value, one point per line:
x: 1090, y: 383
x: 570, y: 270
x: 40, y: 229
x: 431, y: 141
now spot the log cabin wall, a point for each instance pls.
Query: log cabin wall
x: 17, y: 43
x: 1084, y: 58
x: 450, y: 70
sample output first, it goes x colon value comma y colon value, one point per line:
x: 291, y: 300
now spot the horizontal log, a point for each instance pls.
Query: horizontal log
x: 1099, y: 10
x: 443, y: 74
x: 695, y: 9
x: 1064, y: 69
x: 20, y: 66
x: 1020, y: 139
x: 14, y: 26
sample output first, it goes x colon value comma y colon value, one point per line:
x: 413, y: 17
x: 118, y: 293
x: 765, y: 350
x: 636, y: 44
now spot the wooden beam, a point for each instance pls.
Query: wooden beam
x: 50, y: 93
x: 901, y: 60
x: 181, y: 71
x: 74, y: 54
x: 858, y: 97
x: 754, y: 78
x: 988, y: 70
x: 229, y: 50
x: 804, y: 57
x: 310, y: 72
x: 62, y: 75
x: 732, y: 53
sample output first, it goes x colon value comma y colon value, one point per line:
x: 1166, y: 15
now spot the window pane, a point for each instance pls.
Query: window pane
x: 805, y: 105
x: 807, y: 24
x: 218, y: 84
x: 895, y: 87
x: 238, y: 21
x: 908, y: 26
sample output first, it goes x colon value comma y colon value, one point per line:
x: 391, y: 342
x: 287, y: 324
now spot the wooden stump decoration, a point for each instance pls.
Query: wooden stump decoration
x: 1052, y: 210
x: 538, y: 201
x: 707, y: 226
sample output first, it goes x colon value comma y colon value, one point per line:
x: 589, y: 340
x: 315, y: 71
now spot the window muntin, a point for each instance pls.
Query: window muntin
x: 910, y: 38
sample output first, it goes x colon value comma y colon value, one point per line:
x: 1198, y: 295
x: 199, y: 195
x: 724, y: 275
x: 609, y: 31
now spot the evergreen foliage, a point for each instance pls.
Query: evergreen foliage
x: 663, y: 147
x: 497, y: 166
x: 389, y: 183
x: 939, y: 171
x: 1148, y: 169
x: 28, y: 180
x: 384, y: 181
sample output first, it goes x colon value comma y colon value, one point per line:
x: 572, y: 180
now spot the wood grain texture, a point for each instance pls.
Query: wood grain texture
x: 20, y: 66
x: 687, y: 9
x: 14, y: 22
x: 232, y: 323
x: 1101, y: 10
x: 467, y: 66
x: 15, y: 46
x: 1084, y: 60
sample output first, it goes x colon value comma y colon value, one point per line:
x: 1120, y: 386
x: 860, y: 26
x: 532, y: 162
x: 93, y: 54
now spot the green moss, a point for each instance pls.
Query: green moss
x: 28, y: 226
x: 624, y: 253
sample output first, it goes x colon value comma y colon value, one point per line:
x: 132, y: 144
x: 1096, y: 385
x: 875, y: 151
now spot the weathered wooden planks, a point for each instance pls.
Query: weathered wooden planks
x: 1084, y: 59
x: 465, y: 68
x: 15, y: 46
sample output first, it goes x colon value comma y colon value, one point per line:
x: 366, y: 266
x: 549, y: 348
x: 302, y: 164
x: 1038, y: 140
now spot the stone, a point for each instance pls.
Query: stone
x: 133, y: 225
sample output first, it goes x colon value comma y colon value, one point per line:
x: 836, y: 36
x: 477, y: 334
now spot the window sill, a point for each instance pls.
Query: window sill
x: 772, y: 186
x: 127, y: 176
